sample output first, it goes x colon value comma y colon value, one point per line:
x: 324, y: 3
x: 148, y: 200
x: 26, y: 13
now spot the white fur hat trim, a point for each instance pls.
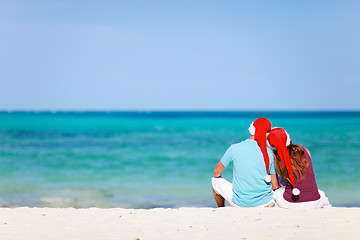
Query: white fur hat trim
x: 288, y: 139
x: 267, y: 142
x: 252, y: 129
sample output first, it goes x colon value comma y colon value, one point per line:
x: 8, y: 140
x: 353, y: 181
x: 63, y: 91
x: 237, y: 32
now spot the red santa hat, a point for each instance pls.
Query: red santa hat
x: 280, y: 139
x: 259, y: 128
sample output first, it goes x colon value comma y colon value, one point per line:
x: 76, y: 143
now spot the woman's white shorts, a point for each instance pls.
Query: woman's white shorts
x: 281, y: 202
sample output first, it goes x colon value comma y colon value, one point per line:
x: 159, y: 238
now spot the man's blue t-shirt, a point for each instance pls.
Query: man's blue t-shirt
x: 249, y: 186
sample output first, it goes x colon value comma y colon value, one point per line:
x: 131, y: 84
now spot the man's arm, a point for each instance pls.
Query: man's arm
x: 219, y: 169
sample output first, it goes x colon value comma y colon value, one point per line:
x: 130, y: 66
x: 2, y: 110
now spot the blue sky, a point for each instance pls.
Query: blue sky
x: 179, y: 55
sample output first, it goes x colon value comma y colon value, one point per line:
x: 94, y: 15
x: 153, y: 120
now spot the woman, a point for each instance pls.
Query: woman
x: 293, y: 164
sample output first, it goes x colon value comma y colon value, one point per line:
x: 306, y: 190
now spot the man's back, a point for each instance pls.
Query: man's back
x: 249, y: 187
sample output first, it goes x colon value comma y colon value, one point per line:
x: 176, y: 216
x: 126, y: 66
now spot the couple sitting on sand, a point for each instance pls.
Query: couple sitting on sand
x: 256, y: 184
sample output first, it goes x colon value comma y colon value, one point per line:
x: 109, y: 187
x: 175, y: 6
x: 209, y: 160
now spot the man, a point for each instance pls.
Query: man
x: 250, y: 159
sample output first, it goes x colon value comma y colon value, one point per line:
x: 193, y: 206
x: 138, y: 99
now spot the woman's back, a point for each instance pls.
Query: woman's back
x: 293, y: 163
x: 307, y: 185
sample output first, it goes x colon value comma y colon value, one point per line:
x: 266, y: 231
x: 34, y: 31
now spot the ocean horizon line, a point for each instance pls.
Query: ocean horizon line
x: 192, y: 113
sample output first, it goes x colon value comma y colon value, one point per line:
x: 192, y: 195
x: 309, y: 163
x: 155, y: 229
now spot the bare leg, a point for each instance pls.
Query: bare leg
x: 220, y: 201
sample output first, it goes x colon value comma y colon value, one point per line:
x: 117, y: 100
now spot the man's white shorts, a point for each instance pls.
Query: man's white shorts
x: 224, y: 188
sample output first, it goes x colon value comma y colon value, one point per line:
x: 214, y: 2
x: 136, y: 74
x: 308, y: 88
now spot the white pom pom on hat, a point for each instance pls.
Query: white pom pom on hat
x: 296, y: 191
x: 267, y: 178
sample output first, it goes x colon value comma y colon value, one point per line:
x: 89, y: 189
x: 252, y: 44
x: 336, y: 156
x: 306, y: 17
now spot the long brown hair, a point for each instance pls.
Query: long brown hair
x: 298, y: 161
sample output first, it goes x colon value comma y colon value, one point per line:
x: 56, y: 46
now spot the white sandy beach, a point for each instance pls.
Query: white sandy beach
x: 184, y: 223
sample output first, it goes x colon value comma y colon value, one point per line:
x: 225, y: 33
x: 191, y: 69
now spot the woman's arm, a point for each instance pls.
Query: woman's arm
x: 274, y: 181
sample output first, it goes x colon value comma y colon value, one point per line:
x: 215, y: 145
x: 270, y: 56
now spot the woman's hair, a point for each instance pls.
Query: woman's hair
x: 298, y: 161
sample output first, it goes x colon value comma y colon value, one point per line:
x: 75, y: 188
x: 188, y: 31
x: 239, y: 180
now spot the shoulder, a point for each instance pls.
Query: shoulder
x: 307, y: 150
x: 244, y: 144
x: 239, y: 144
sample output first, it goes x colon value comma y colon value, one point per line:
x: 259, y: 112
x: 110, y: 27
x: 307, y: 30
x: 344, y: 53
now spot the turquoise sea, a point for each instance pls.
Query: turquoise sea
x: 156, y: 159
